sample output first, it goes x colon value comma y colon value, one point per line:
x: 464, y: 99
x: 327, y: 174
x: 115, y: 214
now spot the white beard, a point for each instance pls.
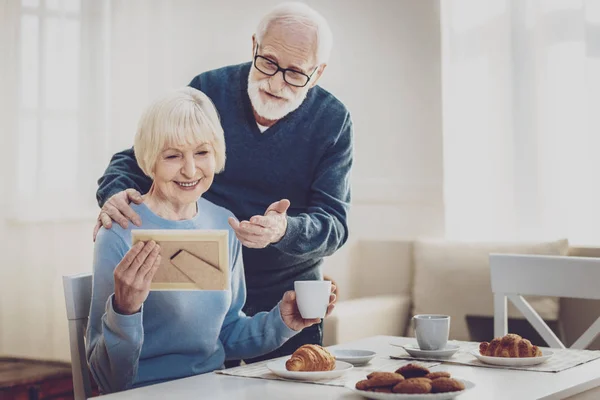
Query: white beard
x: 270, y: 109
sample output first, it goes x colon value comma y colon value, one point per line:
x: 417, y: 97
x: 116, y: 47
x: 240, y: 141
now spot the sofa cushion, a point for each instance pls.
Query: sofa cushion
x: 369, y: 316
x: 453, y: 278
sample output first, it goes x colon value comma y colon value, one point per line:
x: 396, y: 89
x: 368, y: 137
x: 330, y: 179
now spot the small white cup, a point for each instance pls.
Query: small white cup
x: 432, y: 331
x: 312, y: 298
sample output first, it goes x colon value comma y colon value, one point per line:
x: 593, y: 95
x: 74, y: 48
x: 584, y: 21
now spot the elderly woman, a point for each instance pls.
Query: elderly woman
x: 136, y: 337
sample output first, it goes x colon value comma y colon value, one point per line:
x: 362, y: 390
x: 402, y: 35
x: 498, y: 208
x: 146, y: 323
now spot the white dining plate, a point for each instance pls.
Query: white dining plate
x: 354, y: 357
x: 278, y: 368
x: 514, y: 361
x: 415, y: 351
x: 414, y: 396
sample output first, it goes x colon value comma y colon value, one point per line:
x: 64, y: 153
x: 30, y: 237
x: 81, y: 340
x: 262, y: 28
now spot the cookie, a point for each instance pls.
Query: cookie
x: 362, y: 385
x: 412, y: 386
x: 379, y: 379
x: 413, y: 371
x: 442, y: 385
x: 439, y: 374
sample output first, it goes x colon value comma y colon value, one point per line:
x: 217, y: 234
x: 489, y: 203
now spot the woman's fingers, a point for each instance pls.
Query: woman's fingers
x: 141, y: 257
x: 149, y: 262
x: 129, y: 257
x: 150, y: 275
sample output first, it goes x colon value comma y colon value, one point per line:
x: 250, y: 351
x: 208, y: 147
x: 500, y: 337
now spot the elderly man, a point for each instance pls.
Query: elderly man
x: 289, y: 145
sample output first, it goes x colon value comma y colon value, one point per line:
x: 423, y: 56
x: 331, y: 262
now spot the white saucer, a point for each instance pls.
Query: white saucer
x: 415, y: 351
x: 354, y: 357
x: 514, y: 362
x: 278, y: 368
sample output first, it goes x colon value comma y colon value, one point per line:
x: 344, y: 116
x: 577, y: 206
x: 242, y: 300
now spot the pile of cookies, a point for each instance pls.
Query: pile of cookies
x: 411, y: 378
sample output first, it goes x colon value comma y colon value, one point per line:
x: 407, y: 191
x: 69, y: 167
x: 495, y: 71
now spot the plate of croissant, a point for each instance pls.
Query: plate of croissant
x: 410, y: 382
x: 309, y: 362
x: 511, y: 351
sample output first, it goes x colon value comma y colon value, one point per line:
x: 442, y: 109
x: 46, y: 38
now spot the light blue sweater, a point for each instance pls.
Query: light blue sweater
x: 177, y: 333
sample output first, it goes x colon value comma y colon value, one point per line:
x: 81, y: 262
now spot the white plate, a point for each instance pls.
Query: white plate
x: 415, y: 351
x: 403, y: 396
x: 514, y: 362
x: 354, y: 357
x: 278, y: 368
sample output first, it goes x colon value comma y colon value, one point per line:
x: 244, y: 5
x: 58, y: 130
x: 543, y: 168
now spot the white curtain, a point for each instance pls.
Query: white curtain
x: 53, y: 129
x: 521, y: 102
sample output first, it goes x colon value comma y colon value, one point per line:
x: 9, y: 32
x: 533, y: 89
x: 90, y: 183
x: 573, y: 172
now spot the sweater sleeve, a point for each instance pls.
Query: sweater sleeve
x: 248, y: 337
x: 323, y: 228
x: 113, y: 341
x: 122, y: 173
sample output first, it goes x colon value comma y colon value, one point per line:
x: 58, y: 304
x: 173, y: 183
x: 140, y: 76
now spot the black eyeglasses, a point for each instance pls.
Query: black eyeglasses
x: 290, y: 76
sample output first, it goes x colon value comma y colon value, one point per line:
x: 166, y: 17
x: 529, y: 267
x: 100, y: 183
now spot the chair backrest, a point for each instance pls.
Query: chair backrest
x: 78, y: 295
x: 562, y: 276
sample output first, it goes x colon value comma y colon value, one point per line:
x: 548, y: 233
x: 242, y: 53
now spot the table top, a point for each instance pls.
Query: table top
x: 491, y: 383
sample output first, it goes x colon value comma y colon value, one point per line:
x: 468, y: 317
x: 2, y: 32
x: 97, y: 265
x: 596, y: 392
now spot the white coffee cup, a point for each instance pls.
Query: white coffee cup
x: 432, y: 331
x: 312, y: 298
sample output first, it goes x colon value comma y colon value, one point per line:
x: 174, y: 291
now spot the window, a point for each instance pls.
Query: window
x: 58, y: 141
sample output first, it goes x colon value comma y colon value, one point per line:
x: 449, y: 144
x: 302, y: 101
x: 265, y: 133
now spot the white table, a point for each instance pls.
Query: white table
x: 501, y: 384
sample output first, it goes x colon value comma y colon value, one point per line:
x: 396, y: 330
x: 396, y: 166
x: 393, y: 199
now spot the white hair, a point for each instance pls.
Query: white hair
x: 184, y: 116
x: 293, y: 13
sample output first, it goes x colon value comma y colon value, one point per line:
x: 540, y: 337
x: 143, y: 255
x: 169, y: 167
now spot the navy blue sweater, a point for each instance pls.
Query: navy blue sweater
x: 305, y: 157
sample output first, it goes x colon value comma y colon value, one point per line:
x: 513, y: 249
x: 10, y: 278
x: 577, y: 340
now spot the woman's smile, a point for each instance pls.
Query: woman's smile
x: 187, y: 185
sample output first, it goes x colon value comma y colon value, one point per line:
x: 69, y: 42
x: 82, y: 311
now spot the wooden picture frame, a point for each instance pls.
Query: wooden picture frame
x: 190, y: 259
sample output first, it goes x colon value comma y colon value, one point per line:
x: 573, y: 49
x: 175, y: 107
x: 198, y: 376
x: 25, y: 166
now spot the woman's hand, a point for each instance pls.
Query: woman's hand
x: 133, y: 276
x: 291, y: 315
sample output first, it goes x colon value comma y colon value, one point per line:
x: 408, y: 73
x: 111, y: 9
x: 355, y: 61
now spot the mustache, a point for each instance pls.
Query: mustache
x: 285, y: 92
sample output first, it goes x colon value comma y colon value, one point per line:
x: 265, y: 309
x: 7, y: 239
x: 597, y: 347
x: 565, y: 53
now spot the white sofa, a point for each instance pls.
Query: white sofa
x: 392, y: 280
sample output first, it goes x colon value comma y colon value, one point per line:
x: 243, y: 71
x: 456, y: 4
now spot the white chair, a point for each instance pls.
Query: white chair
x: 78, y: 295
x: 561, y: 276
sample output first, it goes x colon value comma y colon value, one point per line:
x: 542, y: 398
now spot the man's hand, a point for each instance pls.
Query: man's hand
x: 117, y: 208
x: 262, y: 230
x: 291, y: 315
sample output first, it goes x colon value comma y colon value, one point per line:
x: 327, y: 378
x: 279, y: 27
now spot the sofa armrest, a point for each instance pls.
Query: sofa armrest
x: 368, y: 316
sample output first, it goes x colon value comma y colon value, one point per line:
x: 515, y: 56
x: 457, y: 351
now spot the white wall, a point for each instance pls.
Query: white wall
x: 385, y: 67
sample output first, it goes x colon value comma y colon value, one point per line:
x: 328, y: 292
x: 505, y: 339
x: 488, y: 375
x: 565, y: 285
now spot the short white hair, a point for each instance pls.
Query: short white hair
x: 294, y: 13
x: 185, y: 116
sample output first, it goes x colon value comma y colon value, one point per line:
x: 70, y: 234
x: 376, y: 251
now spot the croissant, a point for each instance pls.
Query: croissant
x: 511, y: 345
x: 310, y: 357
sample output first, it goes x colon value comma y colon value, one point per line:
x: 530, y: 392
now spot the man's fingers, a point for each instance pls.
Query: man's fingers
x: 97, y: 228
x: 134, y: 196
x: 249, y: 228
x: 130, y: 214
x: 234, y: 223
x: 329, y: 309
x: 265, y: 222
x: 105, y: 220
x: 115, y: 215
x: 124, y: 208
x: 280, y: 206
x: 289, y: 296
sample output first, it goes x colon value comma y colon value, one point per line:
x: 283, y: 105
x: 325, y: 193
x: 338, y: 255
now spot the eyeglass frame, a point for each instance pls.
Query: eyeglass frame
x: 283, y: 70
